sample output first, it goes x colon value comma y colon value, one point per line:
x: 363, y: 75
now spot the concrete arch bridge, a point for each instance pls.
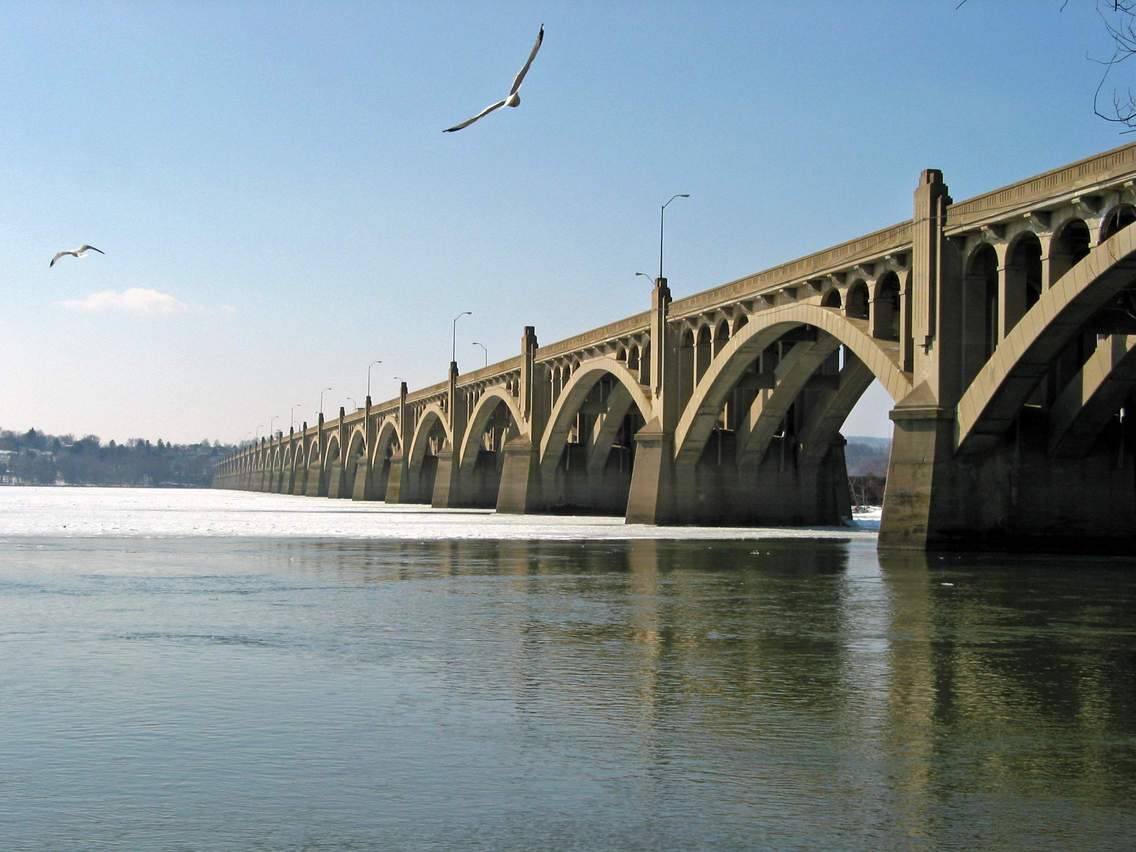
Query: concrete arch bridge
x: 1002, y: 327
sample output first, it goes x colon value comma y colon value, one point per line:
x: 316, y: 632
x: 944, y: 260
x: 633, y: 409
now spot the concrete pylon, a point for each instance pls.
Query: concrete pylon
x: 921, y: 477
x: 652, y: 496
x: 520, y: 490
x: 362, y: 488
x: 397, y: 487
x: 447, y: 481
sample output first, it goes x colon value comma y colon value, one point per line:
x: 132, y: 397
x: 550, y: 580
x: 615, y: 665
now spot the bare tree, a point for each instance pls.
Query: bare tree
x: 1112, y: 103
x: 1119, y: 18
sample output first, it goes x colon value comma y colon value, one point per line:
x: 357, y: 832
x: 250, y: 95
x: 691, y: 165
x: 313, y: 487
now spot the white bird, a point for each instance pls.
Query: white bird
x: 513, y: 98
x: 79, y: 252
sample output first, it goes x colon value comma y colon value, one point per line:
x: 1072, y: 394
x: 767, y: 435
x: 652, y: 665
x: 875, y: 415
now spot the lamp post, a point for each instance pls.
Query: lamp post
x: 661, y: 209
x: 321, y: 400
x: 256, y: 435
x: 354, y: 404
x: 292, y: 416
x: 271, y: 425
x: 454, y: 338
x: 369, y: 366
x: 483, y: 349
x: 648, y: 277
x: 399, y: 379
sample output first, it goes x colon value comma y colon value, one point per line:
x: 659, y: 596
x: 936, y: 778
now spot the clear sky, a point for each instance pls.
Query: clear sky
x: 275, y: 174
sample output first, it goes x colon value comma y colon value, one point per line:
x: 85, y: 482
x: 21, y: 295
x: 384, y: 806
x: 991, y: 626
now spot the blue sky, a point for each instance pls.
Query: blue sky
x: 277, y: 175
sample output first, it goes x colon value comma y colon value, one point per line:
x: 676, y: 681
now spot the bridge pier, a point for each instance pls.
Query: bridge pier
x: 362, y: 485
x: 1011, y: 495
x: 520, y: 489
x: 446, y: 491
x: 337, y: 482
x: 653, y: 488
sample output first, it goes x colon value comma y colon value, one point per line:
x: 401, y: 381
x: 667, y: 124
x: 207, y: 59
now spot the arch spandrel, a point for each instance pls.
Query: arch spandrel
x: 356, y: 443
x: 332, y: 450
x: 387, y: 432
x: 992, y: 401
x: 479, y: 418
x: 701, y: 412
x: 430, y: 415
x: 585, y: 377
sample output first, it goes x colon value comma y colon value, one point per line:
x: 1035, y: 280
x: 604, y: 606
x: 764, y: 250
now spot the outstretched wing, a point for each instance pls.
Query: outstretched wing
x: 470, y: 121
x: 91, y: 248
x: 58, y: 255
x: 521, y: 74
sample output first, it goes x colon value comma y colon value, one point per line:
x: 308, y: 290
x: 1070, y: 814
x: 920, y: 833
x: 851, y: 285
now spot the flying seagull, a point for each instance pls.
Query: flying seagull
x: 79, y: 252
x: 513, y: 98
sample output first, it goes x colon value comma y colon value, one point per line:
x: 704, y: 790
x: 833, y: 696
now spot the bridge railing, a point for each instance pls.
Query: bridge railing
x: 1050, y: 186
x: 627, y: 325
x: 819, y: 263
x: 509, y: 365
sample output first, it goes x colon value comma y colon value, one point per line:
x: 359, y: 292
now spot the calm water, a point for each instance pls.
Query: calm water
x: 518, y: 688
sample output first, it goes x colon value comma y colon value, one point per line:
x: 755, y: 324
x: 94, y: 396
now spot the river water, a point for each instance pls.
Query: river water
x: 200, y: 670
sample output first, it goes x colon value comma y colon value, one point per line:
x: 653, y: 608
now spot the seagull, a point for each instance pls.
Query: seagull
x: 79, y: 252
x: 513, y: 98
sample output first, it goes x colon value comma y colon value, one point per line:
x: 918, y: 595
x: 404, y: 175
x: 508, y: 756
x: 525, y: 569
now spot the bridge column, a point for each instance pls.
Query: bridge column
x: 921, y: 485
x: 362, y: 488
x: 300, y: 468
x: 315, y: 484
x: 336, y: 482
x: 397, y: 487
x: 653, y: 493
x: 447, y: 479
x: 520, y: 490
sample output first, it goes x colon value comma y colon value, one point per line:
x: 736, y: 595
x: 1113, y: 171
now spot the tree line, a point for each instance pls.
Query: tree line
x: 36, y: 458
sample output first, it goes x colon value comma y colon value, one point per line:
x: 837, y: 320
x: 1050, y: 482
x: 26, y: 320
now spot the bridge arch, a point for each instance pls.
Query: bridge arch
x: 479, y: 471
x: 432, y: 424
x: 479, y: 418
x: 572, y: 396
x: 332, y: 451
x: 992, y: 401
x: 702, y: 411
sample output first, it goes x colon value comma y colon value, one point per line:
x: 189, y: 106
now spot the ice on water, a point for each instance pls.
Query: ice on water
x: 153, y: 512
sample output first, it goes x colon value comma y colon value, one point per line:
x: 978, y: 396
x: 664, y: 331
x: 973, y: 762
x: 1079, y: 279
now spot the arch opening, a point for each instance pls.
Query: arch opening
x: 979, y: 311
x: 587, y: 453
x: 857, y: 304
x: 887, y: 310
x: 1120, y: 217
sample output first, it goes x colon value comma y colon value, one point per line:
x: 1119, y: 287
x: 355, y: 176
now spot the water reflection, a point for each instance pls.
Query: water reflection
x: 648, y: 692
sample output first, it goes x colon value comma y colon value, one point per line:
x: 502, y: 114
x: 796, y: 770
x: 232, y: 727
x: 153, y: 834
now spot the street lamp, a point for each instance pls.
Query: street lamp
x: 292, y: 416
x: 354, y: 404
x: 271, y: 425
x: 661, y: 209
x: 483, y: 349
x: 648, y: 277
x: 454, y: 338
x: 321, y: 400
x: 369, y: 366
x: 256, y: 436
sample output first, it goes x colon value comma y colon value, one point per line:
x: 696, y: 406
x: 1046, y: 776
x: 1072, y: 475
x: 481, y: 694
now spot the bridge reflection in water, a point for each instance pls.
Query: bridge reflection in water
x: 1002, y: 327
x: 899, y: 696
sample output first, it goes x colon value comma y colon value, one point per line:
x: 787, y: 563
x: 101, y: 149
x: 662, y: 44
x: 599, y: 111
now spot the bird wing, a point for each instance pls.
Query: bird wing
x: 58, y: 255
x: 521, y: 74
x: 90, y: 248
x: 470, y: 121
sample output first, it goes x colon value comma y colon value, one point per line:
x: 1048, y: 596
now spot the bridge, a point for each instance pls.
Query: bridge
x: 1002, y: 327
